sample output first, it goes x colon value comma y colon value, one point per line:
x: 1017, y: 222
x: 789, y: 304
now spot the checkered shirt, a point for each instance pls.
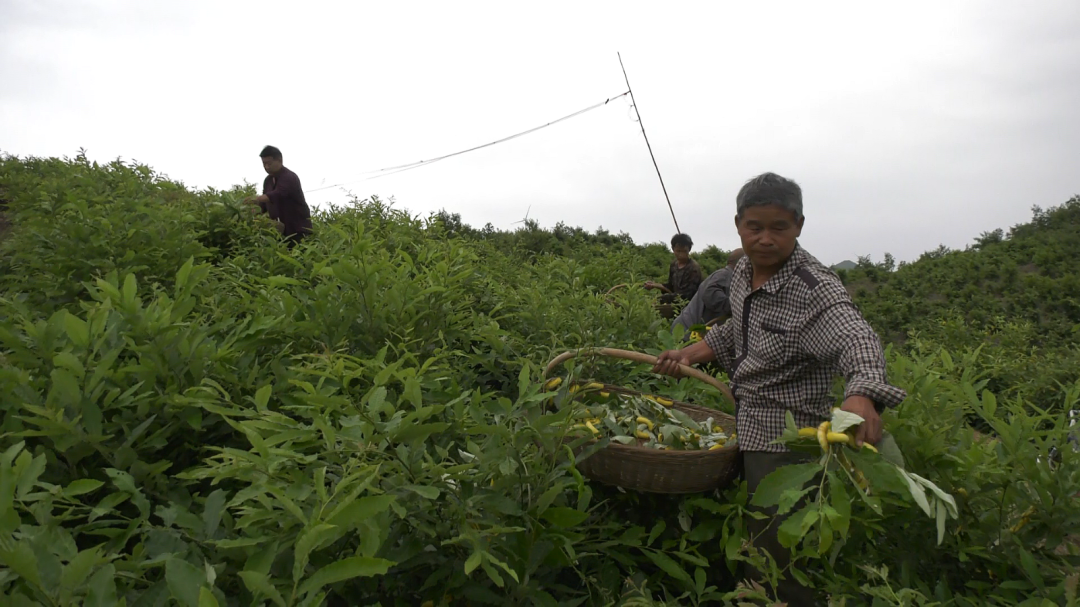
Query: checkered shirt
x: 785, y: 344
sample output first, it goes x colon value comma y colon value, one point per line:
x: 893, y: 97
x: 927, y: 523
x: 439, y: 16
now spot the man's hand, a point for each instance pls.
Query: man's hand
x: 870, y: 430
x: 668, y: 362
x: 649, y: 284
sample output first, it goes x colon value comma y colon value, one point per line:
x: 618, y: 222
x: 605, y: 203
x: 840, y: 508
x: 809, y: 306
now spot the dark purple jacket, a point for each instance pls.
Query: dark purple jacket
x: 287, y: 203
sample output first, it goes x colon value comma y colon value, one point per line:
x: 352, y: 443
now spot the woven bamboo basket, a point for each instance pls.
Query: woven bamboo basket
x: 619, y: 286
x: 610, y: 298
x: 665, y: 310
x: 639, y: 468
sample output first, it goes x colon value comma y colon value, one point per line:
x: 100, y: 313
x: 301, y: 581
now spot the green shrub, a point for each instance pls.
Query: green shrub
x: 194, y: 414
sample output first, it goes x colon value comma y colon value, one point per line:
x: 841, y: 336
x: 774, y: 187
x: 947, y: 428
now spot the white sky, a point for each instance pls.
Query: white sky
x: 908, y: 125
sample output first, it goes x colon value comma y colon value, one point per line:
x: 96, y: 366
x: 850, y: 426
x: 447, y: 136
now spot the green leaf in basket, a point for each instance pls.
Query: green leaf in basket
x: 669, y: 431
x: 685, y: 420
x: 610, y: 424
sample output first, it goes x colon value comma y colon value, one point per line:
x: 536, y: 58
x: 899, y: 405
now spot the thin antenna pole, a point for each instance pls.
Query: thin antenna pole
x: 634, y: 102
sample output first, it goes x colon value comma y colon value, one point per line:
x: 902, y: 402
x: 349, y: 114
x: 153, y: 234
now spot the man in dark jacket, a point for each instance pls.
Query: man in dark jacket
x: 684, y: 274
x: 283, y: 198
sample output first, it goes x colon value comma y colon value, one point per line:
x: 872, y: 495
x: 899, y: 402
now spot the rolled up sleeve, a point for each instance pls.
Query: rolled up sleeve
x: 841, y: 337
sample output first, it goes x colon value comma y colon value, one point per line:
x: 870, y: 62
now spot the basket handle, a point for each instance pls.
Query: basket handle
x: 719, y: 320
x: 639, y: 357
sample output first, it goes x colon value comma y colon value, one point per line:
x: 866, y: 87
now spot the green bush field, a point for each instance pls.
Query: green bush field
x: 193, y: 414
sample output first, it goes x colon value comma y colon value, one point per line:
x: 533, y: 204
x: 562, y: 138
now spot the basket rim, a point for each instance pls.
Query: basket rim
x: 640, y: 358
x: 697, y: 453
x: 606, y: 387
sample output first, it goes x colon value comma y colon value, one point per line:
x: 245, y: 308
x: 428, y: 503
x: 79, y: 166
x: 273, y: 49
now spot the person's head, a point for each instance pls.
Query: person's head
x: 769, y: 217
x: 734, y: 257
x: 271, y: 159
x: 681, y: 245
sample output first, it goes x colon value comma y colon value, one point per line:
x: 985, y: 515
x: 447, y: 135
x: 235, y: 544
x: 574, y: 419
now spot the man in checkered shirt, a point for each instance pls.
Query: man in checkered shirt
x: 793, y: 329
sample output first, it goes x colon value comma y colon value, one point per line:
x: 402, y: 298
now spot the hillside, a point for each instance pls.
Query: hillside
x: 650, y: 261
x: 1029, y: 274
x: 192, y: 414
x: 1014, y: 294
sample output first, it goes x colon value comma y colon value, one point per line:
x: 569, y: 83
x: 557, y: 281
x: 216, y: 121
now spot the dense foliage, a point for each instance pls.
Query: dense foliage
x: 193, y: 414
x: 649, y: 260
x: 1016, y: 294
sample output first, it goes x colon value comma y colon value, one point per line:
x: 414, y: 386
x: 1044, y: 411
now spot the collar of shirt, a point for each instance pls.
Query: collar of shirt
x: 781, y: 278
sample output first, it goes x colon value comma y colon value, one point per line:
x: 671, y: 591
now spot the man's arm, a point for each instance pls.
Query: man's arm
x: 718, y: 345
x: 664, y: 287
x: 668, y: 362
x: 286, y: 185
x: 260, y: 200
x: 841, y: 337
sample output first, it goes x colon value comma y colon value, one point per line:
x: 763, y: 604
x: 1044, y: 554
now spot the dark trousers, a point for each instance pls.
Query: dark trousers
x: 756, y: 466
x: 291, y: 240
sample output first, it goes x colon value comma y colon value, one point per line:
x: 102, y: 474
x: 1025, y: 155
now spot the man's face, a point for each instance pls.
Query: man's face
x: 682, y: 253
x: 270, y: 165
x: 768, y: 234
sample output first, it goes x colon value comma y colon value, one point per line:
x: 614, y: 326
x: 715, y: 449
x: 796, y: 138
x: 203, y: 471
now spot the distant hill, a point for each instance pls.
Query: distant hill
x: 1030, y: 273
x: 1014, y: 294
x: 847, y: 264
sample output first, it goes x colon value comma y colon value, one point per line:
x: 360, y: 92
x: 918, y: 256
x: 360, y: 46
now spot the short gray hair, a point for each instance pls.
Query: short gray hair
x: 770, y: 188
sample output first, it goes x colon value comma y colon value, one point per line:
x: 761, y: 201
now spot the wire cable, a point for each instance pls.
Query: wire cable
x: 413, y: 165
x: 630, y: 91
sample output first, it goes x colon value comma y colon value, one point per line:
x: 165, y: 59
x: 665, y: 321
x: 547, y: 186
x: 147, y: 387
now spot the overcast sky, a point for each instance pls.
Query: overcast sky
x: 908, y: 125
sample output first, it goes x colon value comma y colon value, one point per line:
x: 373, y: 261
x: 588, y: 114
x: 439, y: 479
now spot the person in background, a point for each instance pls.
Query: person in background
x: 793, y: 329
x: 711, y: 300
x: 684, y: 274
x: 283, y: 198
